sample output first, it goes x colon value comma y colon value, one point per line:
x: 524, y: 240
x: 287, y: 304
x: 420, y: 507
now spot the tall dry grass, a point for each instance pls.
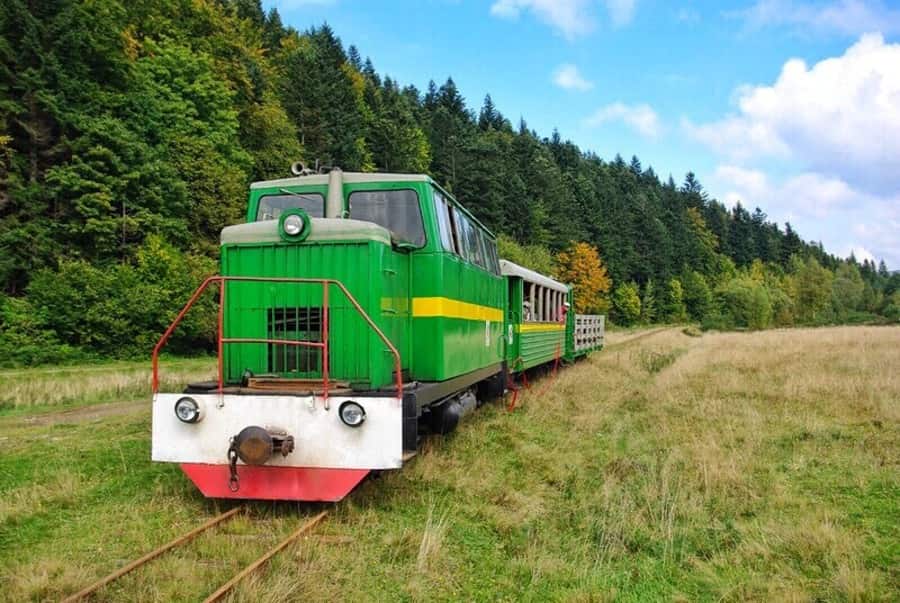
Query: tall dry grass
x: 731, y: 466
x: 95, y: 383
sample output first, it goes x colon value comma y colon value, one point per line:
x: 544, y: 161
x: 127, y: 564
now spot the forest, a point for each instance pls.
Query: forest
x: 129, y: 132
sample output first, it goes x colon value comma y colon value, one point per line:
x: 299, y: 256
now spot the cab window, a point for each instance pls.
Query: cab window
x: 493, y: 261
x: 481, y: 256
x: 469, y: 236
x: 271, y: 206
x: 396, y: 210
x: 442, y: 209
x: 461, y: 230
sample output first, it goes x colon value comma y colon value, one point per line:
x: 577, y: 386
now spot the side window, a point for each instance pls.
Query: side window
x: 462, y: 232
x: 271, y: 206
x: 477, y: 244
x: 491, y: 247
x: 444, y: 225
x: 396, y: 210
x: 488, y: 258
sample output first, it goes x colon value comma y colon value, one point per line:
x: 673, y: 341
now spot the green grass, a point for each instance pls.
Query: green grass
x: 757, y: 466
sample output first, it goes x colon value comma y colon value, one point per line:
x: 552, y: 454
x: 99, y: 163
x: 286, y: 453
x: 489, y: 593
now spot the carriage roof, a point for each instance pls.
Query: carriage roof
x: 508, y: 268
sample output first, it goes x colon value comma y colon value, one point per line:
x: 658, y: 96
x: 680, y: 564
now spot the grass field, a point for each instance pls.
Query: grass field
x: 758, y: 466
x: 30, y: 390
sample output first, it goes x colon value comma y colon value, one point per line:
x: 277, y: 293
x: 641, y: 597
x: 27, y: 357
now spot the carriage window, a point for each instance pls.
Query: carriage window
x: 443, y: 217
x: 271, y: 206
x: 396, y: 210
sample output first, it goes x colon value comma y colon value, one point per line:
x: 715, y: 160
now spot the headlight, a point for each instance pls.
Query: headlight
x: 188, y: 410
x: 293, y: 224
x: 352, y: 414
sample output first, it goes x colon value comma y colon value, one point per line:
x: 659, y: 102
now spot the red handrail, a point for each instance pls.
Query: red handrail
x: 322, y: 345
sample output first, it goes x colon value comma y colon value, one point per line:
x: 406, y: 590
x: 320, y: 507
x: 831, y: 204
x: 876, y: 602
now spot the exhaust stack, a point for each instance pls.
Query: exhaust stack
x: 334, y: 204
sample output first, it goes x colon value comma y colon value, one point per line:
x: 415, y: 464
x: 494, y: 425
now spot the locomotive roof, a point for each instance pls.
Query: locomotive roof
x: 351, y: 177
x: 362, y: 177
x: 508, y: 268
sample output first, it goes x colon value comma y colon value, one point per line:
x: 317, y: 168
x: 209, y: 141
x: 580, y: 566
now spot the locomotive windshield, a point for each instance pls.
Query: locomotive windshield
x: 271, y: 206
x: 396, y: 210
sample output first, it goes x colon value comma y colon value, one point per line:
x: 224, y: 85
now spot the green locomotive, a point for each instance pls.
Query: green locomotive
x: 354, y: 309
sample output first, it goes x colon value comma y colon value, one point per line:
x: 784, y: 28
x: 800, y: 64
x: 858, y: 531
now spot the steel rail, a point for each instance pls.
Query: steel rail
x: 150, y: 556
x: 223, y: 590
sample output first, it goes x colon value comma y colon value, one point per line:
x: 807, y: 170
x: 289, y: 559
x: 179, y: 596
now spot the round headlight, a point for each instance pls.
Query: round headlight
x: 352, y: 414
x: 187, y: 410
x: 293, y: 225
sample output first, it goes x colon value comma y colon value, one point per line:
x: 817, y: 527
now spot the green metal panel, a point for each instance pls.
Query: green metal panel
x: 463, y: 340
x: 367, y: 269
x: 515, y: 290
x: 529, y: 347
x: 540, y: 347
x: 389, y: 283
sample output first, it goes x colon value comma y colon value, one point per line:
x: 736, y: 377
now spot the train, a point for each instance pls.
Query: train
x: 356, y: 312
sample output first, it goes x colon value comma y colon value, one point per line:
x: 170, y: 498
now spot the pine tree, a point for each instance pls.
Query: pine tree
x: 355, y: 60
x: 636, y: 168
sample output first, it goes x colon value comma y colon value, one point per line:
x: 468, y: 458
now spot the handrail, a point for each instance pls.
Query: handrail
x: 322, y: 345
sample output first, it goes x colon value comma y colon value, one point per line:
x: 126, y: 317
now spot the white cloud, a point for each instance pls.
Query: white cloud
x: 641, y: 117
x: 566, y: 76
x: 571, y: 18
x: 848, y: 17
x: 861, y: 253
x: 841, y: 116
x: 808, y: 194
x: 621, y: 12
x: 820, y: 207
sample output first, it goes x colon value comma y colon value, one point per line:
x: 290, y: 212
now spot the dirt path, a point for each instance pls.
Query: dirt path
x: 81, y: 414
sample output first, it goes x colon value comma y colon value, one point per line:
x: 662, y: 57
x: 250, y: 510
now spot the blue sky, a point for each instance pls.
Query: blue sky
x: 790, y: 105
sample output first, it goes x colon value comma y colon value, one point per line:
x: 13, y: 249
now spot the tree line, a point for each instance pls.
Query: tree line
x: 129, y: 132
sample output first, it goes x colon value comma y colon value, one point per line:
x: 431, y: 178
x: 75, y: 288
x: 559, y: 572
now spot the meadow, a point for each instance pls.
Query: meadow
x: 672, y: 465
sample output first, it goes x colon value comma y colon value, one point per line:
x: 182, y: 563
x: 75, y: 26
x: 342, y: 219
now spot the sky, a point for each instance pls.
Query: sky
x: 792, y: 106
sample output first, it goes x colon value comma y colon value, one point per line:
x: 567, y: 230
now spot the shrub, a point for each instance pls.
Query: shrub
x: 25, y: 341
x: 697, y: 295
x: 627, y: 303
x: 673, y: 307
x: 121, y: 310
x: 744, y: 303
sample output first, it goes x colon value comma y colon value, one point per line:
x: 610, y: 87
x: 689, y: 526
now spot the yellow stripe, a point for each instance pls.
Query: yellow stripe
x: 531, y: 327
x: 429, y: 307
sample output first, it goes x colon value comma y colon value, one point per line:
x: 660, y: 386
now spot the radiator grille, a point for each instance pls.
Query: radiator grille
x: 297, y: 324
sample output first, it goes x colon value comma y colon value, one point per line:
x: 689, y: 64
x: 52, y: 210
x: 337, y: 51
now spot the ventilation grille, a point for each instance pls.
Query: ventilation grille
x: 295, y: 324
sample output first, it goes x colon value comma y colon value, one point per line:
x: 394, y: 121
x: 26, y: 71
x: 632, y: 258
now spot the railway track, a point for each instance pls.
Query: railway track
x: 217, y: 595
